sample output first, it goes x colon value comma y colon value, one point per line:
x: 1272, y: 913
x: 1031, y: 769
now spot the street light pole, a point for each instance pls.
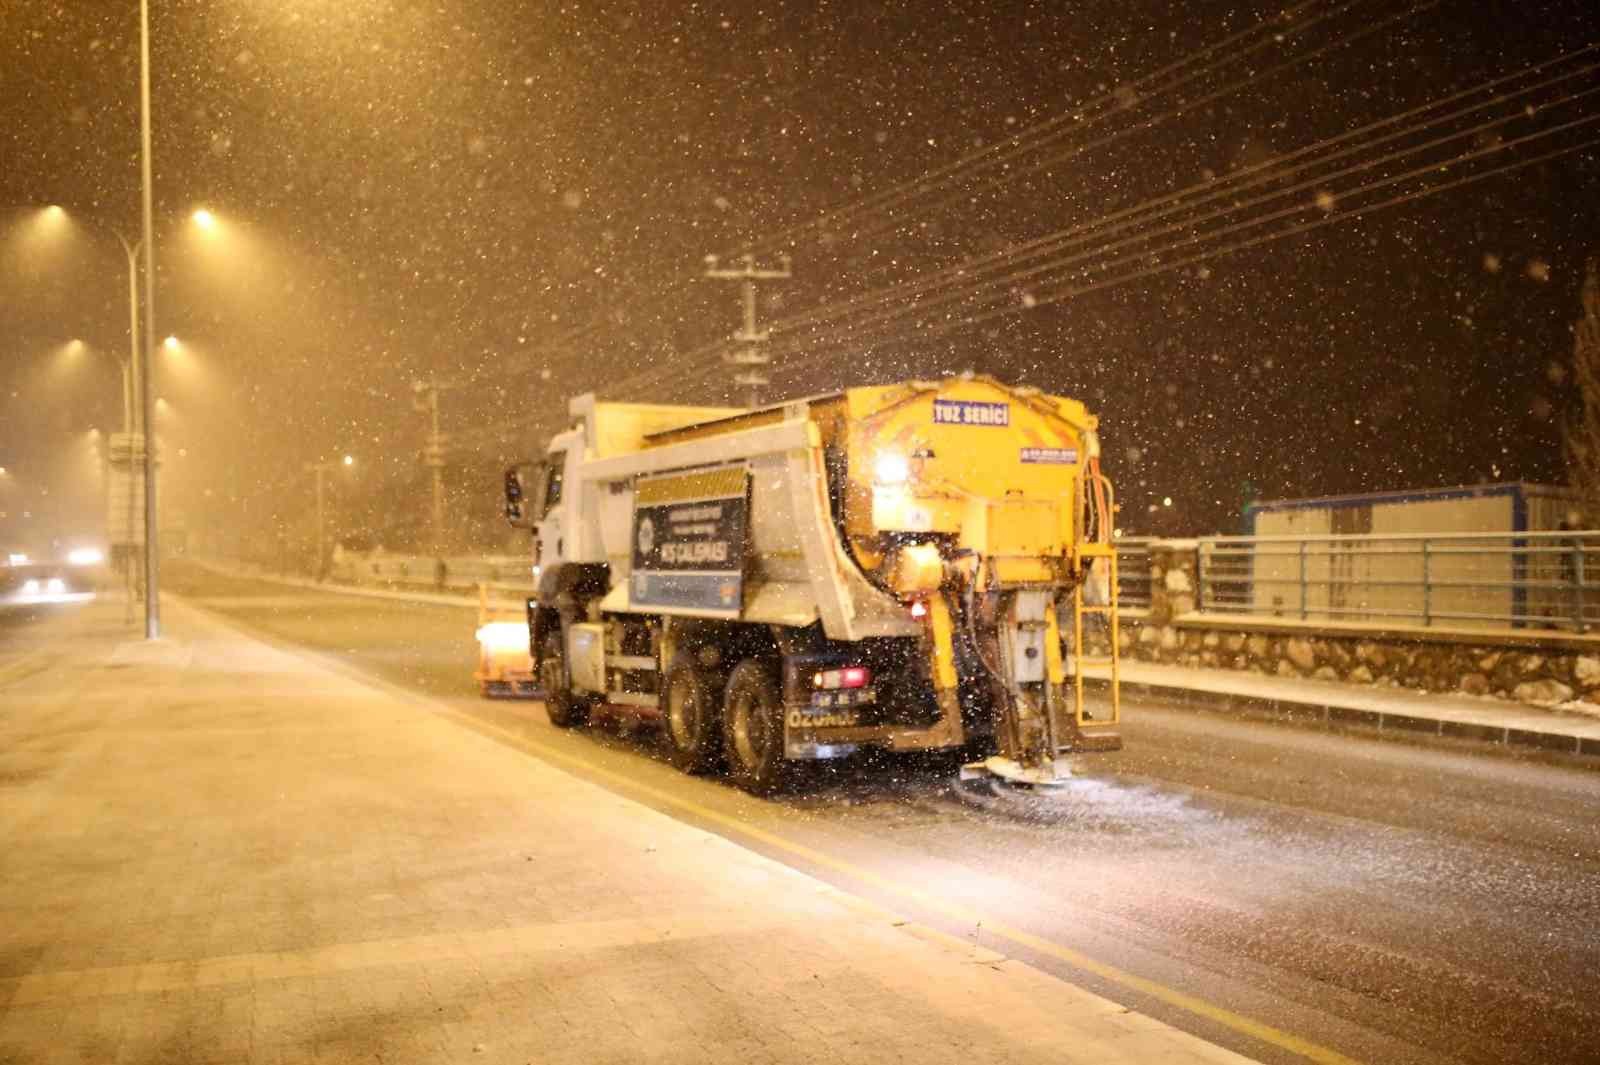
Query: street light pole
x: 152, y: 563
x: 129, y: 366
x: 426, y: 400
x: 130, y: 372
x: 321, y: 470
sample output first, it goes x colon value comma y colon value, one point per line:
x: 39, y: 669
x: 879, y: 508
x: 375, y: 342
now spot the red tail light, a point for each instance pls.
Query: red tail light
x: 848, y: 677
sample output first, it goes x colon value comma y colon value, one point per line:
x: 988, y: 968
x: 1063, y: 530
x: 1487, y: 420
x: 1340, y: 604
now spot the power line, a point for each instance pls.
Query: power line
x: 1288, y: 231
x: 903, y: 309
x: 1272, y: 30
x: 1129, y: 218
x: 715, y: 348
x: 1017, y: 143
x: 1161, y: 117
x: 1169, y: 203
x: 969, y: 320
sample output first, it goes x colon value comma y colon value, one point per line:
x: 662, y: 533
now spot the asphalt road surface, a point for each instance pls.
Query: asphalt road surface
x: 1292, y: 894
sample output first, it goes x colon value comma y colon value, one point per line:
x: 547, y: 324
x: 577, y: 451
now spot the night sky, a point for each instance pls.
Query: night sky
x: 518, y: 198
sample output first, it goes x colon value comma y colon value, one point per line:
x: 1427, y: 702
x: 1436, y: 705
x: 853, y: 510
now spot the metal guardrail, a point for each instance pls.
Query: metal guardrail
x: 511, y: 573
x: 1518, y: 580
x: 1133, y: 574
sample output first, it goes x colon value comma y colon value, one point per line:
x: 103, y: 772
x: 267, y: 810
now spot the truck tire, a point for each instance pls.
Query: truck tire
x: 691, y: 733
x: 752, y: 717
x: 564, y: 709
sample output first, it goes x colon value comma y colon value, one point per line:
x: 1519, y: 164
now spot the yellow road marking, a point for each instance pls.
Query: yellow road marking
x: 1266, y: 1033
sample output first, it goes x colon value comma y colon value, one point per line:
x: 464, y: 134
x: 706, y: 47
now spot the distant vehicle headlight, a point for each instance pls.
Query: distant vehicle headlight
x: 84, y: 556
x: 30, y: 586
x: 55, y: 585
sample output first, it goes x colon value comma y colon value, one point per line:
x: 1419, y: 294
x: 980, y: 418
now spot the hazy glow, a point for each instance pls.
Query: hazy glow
x: 891, y: 468
x: 349, y: 460
x: 205, y: 219
x: 171, y: 343
x: 498, y: 637
x: 84, y: 556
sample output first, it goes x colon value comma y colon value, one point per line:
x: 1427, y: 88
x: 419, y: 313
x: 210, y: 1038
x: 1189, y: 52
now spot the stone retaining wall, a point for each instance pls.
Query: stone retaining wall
x: 1532, y: 667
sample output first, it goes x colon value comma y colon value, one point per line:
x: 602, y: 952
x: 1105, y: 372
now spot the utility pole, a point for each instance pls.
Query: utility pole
x: 426, y: 400
x: 749, y: 362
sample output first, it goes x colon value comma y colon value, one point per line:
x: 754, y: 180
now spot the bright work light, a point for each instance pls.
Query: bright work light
x: 891, y: 467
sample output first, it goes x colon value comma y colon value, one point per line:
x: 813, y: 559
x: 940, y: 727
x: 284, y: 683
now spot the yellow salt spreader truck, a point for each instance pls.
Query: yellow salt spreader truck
x: 901, y: 567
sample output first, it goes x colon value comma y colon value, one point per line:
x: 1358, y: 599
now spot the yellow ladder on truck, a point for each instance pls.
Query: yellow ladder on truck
x: 1088, y: 725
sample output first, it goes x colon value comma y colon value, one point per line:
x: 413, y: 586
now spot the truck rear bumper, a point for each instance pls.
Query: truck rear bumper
x: 802, y: 742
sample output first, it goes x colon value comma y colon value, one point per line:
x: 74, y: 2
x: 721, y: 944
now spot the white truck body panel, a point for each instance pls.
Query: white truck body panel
x: 797, y: 570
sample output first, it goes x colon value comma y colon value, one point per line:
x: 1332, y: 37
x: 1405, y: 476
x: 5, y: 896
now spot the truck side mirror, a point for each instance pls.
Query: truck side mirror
x: 524, y: 482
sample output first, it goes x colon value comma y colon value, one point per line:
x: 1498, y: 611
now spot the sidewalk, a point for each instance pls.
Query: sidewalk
x: 219, y: 851
x: 1459, y: 716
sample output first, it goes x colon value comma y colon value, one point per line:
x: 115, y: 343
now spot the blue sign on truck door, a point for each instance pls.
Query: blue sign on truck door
x: 689, y: 540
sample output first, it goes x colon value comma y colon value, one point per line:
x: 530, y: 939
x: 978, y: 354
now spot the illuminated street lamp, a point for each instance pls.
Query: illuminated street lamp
x: 205, y: 219
x: 321, y: 470
x: 145, y: 372
x: 130, y: 368
x: 133, y: 414
x: 78, y: 346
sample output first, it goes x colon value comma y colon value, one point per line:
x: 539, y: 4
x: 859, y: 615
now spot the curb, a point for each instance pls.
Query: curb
x: 436, y: 598
x: 1331, y: 715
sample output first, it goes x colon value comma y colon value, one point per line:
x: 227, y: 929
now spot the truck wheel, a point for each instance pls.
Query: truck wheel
x: 562, y: 707
x: 689, y: 728
x: 752, y: 715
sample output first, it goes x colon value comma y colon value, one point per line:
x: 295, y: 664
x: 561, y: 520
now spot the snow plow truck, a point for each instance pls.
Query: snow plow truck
x: 907, y: 567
